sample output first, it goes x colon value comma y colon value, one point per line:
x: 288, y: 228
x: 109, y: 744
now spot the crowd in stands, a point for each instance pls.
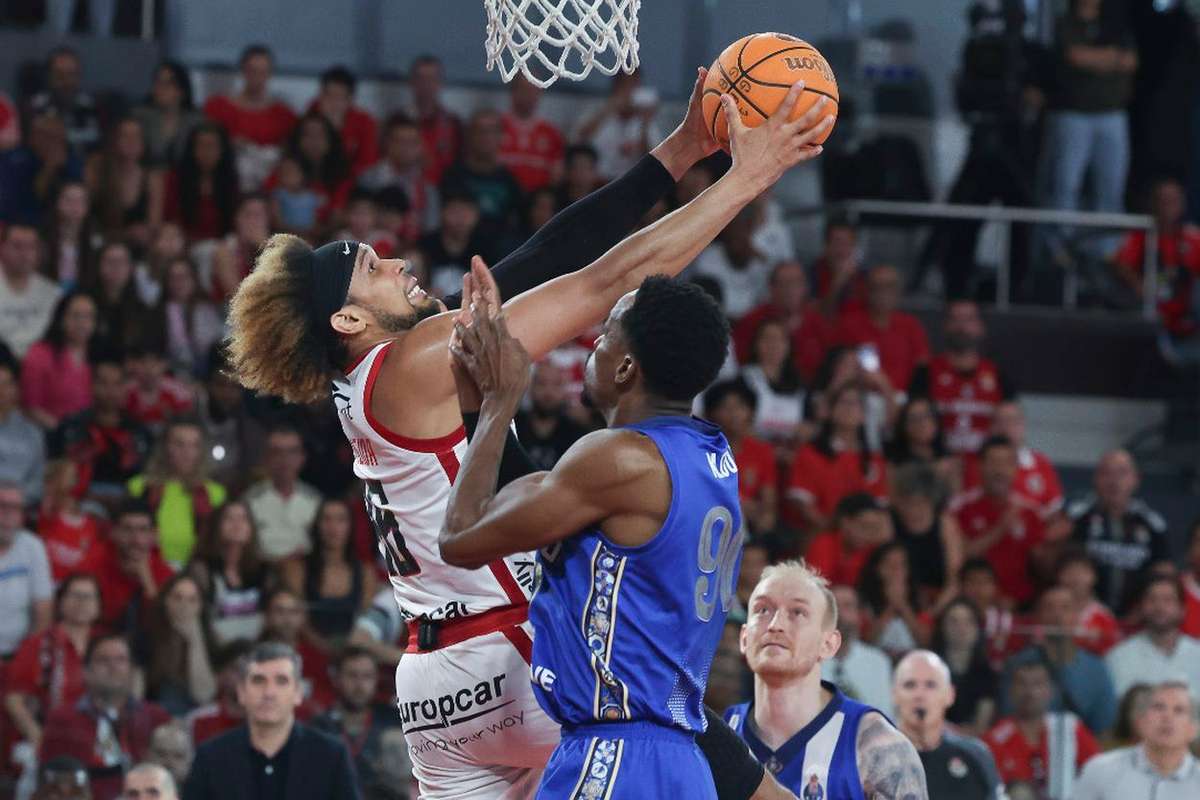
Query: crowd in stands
x: 158, y: 524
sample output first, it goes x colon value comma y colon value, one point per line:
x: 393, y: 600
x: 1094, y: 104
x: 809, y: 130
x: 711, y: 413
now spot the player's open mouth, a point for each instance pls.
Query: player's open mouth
x: 416, y: 293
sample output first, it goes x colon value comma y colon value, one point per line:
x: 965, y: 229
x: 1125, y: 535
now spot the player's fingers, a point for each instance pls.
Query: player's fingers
x: 485, y: 283
x: 808, y: 152
x: 810, y: 118
x: 816, y: 133
x: 732, y: 116
x: 784, y: 112
x: 698, y: 86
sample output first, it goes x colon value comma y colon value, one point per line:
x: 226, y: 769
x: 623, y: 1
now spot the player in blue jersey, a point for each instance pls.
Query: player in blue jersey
x: 814, y: 739
x: 640, y: 534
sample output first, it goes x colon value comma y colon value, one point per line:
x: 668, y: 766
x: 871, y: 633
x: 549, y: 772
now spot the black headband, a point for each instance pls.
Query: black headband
x: 328, y: 269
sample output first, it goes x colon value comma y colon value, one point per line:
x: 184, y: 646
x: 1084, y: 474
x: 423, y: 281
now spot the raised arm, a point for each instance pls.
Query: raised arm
x: 566, y: 307
x: 888, y: 764
x: 585, y: 230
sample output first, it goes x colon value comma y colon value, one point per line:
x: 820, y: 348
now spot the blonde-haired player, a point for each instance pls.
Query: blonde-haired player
x: 817, y: 742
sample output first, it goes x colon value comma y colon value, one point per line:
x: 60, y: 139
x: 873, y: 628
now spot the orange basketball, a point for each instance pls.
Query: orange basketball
x: 757, y: 71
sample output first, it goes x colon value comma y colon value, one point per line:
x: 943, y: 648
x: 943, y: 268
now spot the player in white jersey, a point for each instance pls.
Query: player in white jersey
x: 305, y: 317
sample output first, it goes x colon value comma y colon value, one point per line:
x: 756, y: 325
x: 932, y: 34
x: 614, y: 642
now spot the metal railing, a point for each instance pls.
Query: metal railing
x: 1006, y: 216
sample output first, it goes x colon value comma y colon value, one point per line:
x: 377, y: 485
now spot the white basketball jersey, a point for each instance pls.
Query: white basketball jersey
x: 407, y: 486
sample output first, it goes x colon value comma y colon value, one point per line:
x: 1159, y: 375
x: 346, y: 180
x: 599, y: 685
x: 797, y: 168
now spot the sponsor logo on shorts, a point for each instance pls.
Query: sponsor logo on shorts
x: 459, y: 742
x: 453, y: 708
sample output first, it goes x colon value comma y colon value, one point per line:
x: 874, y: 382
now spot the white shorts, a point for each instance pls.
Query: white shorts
x: 474, y: 729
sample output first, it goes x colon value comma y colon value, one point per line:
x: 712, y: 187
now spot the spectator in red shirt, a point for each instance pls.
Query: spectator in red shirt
x: 1178, y: 261
x: 56, y: 380
x: 841, y: 279
x: 788, y: 300
x: 10, y: 123
x: 966, y: 387
x: 1191, y: 585
x: 441, y: 131
x: 257, y: 122
x: 837, y: 463
x: 201, y: 191
x: 153, y: 397
x: 1097, y: 629
x: 532, y: 147
x: 730, y: 405
x: 128, y: 566
x: 1038, y: 747
x: 917, y: 438
x: 860, y: 525
x: 978, y: 581
x: 68, y: 533
x: 1037, y: 479
x: 898, y: 339
x: 355, y: 126
x: 108, y: 729
x: 285, y: 620
x: 1000, y: 524
x: 46, y: 672
x: 402, y: 167
x: 107, y: 446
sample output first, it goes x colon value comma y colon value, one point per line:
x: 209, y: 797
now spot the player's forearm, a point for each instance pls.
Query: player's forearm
x: 677, y: 153
x: 474, y: 488
x: 670, y: 244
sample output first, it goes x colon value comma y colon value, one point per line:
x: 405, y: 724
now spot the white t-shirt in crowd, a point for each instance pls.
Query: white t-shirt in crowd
x: 24, y: 580
x: 1126, y: 773
x: 778, y: 413
x: 1137, y: 660
x: 618, y: 144
x: 24, y: 316
x: 742, y: 289
x: 865, y: 674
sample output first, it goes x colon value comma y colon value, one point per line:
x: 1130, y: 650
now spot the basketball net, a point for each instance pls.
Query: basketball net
x: 561, y: 38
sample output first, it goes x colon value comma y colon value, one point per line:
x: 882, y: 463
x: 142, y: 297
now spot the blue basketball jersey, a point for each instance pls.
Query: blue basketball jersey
x: 628, y: 633
x: 821, y: 761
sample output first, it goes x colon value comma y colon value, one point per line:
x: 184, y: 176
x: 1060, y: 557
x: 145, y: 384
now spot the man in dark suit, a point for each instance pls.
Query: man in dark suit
x: 273, y: 756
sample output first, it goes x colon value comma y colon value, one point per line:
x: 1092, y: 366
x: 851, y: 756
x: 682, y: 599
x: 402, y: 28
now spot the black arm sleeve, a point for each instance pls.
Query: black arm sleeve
x: 582, y: 232
x: 736, y: 772
x: 514, y: 462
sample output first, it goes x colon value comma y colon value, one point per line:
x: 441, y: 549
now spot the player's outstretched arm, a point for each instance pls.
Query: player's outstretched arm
x: 591, y: 481
x: 888, y: 764
x: 566, y: 307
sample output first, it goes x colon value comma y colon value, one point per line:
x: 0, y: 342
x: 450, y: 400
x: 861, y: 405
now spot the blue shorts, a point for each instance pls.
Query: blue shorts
x: 626, y: 761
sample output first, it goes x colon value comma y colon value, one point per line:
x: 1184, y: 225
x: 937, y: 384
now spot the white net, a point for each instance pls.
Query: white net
x: 549, y: 39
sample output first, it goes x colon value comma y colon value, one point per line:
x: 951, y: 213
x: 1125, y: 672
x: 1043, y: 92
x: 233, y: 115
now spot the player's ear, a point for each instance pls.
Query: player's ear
x: 626, y: 371
x: 742, y: 640
x: 349, y: 320
x: 831, y: 642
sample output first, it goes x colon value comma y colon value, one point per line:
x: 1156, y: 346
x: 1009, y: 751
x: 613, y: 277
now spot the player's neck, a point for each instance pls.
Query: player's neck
x: 781, y: 710
x: 360, y: 345
x: 632, y: 410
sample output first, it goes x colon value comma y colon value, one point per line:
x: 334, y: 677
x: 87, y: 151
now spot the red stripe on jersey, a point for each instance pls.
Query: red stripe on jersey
x: 520, y: 640
x: 438, y: 445
x: 500, y: 570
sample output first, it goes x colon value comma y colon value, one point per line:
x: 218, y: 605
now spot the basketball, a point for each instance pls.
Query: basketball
x: 758, y: 70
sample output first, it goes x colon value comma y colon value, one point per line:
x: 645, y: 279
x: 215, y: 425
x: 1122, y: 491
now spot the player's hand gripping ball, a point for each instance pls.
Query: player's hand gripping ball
x: 757, y: 72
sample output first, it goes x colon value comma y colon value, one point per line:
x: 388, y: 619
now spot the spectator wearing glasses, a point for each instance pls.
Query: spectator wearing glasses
x: 109, y: 729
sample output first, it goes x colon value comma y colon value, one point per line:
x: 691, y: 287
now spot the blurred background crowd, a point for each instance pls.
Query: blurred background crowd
x: 156, y: 520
